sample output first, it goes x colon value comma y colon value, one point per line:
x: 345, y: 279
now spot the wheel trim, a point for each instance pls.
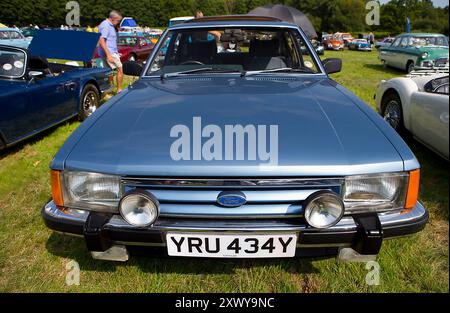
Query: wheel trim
x: 90, y: 102
x: 392, y: 114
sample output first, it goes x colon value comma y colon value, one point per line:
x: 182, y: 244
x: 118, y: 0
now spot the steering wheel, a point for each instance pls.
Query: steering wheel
x: 192, y: 62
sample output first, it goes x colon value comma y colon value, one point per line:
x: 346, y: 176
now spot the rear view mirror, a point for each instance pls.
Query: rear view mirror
x: 332, y: 65
x: 132, y: 68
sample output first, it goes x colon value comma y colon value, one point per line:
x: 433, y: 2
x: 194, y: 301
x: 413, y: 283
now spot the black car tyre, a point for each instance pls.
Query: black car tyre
x: 393, y: 113
x: 89, y: 101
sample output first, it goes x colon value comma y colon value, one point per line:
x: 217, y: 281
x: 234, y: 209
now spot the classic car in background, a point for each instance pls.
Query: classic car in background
x: 320, y: 50
x: 385, y: 42
x: 346, y: 38
x: 28, y: 32
x: 13, y: 37
x: 331, y: 177
x: 153, y: 35
x: 131, y: 48
x: 318, y: 47
x: 418, y: 103
x: 360, y: 45
x: 36, y: 94
x: 416, y: 51
x: 333, y: 43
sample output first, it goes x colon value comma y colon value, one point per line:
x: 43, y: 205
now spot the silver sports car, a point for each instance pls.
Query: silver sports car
x: 418, y: 103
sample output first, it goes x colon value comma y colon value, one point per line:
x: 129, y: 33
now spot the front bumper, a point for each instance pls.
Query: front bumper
x: 113, y: 230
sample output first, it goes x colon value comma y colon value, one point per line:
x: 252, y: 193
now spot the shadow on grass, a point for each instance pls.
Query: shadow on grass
x: 155, y: 260
x: 33, y: 139
x: 381, y: 68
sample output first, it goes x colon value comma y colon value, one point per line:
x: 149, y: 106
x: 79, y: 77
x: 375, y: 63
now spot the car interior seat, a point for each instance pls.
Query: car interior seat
x: 264, y: 55
x: 204, y: 51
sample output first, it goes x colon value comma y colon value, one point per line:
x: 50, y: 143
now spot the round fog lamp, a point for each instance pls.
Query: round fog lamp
x: 323, y: 209
x: 139, y: 208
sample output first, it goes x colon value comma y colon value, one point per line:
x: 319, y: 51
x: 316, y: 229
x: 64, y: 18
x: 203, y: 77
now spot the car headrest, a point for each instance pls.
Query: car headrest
x: 264, y: 48
x: 202, y: 49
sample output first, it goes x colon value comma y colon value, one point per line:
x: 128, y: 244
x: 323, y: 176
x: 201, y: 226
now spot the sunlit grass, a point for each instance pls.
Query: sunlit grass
x: 33, y: 258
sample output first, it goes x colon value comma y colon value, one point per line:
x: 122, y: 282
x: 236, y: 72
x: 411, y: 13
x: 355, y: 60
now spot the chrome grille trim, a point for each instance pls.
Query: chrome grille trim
x: 266, y: 198
x: 233, y: 182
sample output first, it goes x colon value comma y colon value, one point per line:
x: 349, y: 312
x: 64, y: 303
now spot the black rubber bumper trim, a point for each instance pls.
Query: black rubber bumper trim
x: 312, y: 236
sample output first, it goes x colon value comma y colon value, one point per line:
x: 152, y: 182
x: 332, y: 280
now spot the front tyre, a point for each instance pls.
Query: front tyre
x: 89, y: 101
x: 393, y: 113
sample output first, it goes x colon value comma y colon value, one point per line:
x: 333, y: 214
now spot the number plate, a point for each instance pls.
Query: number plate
x: 231, y: 245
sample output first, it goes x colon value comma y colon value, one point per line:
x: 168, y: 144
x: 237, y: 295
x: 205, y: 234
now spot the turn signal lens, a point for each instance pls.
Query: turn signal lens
x: 56, y: 188
x: 413, y: 189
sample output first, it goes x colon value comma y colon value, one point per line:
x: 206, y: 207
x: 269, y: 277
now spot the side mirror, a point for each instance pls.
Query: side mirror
x: 332, y: 65
x: 132, y: 68
x: 35, y: 74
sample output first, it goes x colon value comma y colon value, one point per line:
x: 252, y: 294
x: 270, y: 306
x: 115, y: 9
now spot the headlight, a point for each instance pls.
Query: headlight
x: 323, y: 209
x: 139, y: 208
x: 378, y: 192
x: 90, y: 191
x: 424, y: 55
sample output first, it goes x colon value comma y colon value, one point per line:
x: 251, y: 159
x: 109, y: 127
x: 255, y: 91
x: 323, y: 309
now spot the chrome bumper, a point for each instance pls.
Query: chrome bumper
x: 343, y: 234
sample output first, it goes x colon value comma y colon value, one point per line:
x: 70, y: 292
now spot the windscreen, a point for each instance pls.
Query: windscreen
x: 238, y: 49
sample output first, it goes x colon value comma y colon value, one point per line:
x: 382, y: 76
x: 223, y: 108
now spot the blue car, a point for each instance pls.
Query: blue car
x: 359, y: 45
x: 36, y: 94
x: 13, y: 37
x: 247, y: 150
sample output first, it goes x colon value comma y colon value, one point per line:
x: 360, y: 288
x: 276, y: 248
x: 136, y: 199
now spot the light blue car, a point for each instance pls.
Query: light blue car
x: 239, y: 147
x: 13, y: 37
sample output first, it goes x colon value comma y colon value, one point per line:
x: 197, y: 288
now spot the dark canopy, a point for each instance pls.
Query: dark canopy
x: 287, y: 14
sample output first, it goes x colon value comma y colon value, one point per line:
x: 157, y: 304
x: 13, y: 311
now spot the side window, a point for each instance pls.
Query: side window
x: 404, y: 42
x: 397, y: 41
x: 442, y: 89
x: 438, y: 85
x: 171, y: 43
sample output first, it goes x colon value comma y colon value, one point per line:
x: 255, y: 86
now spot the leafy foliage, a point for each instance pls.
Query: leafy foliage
x: 326, y: 15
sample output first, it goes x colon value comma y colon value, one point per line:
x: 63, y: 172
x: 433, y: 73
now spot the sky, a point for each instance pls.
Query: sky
x: 437, y: 3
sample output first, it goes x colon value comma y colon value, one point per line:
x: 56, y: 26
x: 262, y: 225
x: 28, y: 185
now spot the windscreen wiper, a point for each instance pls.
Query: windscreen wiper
x: 202, y: 69
x: 281, y: 69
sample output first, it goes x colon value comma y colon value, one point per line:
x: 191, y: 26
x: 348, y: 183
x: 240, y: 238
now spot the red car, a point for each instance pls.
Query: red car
x: 132, y: 48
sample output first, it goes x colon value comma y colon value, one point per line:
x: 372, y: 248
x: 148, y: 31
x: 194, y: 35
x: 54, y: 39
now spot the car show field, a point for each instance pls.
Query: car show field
x: 35, y: 259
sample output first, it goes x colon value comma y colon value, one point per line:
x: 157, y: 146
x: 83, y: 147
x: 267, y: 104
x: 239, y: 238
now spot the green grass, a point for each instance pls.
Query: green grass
x: 33, y: 259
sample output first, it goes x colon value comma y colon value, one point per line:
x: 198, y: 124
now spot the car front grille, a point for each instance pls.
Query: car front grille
x: 441, y: 62
x: 266, y: 198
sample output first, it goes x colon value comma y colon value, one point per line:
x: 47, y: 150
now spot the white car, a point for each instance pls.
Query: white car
x: 418, y: 103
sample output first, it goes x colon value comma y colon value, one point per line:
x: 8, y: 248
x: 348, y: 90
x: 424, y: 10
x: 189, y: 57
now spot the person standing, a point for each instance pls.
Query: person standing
x: 108, y: 44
